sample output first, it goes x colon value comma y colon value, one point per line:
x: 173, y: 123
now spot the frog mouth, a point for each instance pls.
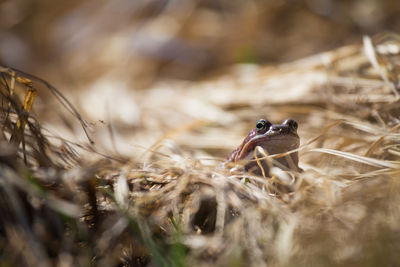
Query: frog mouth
x: 273, y: 144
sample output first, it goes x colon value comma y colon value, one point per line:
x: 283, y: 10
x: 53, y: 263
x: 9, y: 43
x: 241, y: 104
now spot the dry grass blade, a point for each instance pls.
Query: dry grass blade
x: 23, y: 76
x: 361, y: 159
x: 265, y: 157
x: 18, y: 133
x: 370, y: 52
x: 379, y: 141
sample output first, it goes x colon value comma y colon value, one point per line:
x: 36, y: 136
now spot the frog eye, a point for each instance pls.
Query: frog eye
x: 263, y: 125
x: 292, y: 123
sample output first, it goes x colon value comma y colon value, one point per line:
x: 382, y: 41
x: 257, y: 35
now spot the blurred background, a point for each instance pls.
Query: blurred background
x: 138, y: 65
x: 75, y: 42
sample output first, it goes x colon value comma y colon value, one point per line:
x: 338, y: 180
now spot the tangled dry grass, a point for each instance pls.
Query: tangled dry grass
x: 70, y: 202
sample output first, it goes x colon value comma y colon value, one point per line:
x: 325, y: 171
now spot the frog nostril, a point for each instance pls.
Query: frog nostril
x: 275, y: 128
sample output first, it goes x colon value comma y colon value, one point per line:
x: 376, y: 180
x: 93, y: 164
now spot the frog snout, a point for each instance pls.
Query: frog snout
x: 275, y: 128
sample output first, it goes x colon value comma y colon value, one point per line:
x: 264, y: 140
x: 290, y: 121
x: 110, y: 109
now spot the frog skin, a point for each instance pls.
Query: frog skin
x: 274, y: 139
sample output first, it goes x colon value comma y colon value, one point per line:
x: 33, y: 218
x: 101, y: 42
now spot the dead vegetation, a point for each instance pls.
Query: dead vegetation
x: 69, y: 202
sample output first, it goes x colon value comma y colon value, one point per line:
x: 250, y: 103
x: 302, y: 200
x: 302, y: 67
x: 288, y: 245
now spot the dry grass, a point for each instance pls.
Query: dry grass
x: 69, y: 202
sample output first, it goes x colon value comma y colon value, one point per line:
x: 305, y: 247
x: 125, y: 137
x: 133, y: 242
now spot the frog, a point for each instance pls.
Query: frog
x: 274, y: 139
